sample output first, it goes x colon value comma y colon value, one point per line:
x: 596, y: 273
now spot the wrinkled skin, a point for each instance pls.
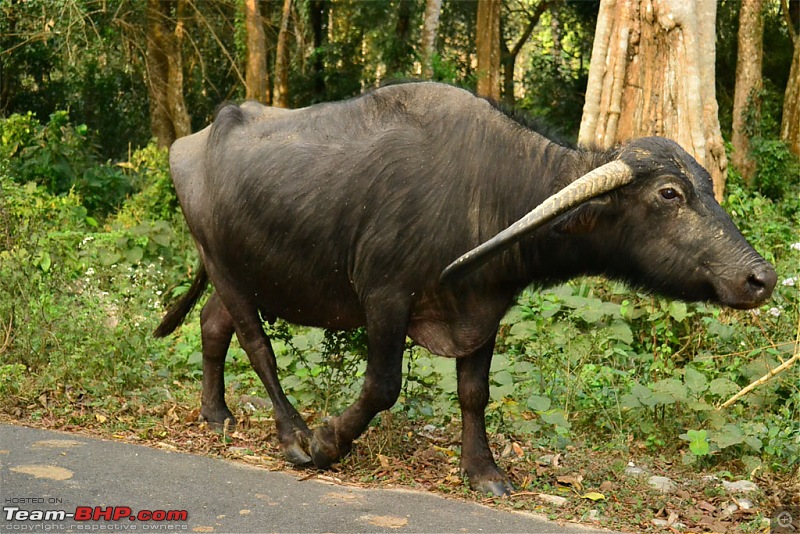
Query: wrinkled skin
x: 344, y: 215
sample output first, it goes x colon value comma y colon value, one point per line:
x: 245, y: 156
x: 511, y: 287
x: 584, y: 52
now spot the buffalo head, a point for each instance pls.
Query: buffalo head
x: 648, y: 217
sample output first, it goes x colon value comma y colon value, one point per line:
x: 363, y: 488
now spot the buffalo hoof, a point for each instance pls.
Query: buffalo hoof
x: 324, y: 449
x: 295, y: 454
x: 295, y: 449
x: 497, y: 487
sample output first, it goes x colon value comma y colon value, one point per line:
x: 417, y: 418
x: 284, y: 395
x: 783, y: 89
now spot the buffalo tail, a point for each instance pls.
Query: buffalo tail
x: 181, y: 308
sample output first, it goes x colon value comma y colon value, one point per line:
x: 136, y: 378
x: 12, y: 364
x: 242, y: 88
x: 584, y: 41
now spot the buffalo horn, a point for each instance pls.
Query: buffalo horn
x: 593, y: 184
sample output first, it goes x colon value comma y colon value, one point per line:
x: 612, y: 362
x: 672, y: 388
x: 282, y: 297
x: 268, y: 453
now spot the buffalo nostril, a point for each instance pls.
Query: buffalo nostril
x: 762, y: 280
x: 755, y: 282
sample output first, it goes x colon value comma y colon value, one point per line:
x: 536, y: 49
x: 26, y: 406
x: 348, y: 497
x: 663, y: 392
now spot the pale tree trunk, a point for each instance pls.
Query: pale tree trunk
x: 256, y: 81
x: 749, y: 60
x: 790, y: 124
x: 169, y: 118
x: 282, y: 59
x: 430, y: 25
x: 487, y: 43
x: 652, y: 73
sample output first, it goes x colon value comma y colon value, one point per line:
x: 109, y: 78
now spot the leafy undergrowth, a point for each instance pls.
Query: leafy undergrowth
x: 587, y: 377
x: 590, y: 484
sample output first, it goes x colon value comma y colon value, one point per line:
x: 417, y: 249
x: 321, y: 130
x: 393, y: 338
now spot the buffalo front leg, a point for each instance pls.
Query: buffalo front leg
x: 386, y: 336
x: 477, y: 461
x: 216, y: 326
x: 293, y: 433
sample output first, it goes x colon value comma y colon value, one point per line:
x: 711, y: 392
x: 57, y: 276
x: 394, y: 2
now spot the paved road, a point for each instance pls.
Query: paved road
x: 54, y: 472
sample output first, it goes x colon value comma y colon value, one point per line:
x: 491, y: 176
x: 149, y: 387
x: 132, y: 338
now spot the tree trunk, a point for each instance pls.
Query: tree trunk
x: 256, y: 81
x: 319, y: 28
x: 429, y: 27
x: 487, y: 44
x: 282, y: 59
x: 398, y: 57
x: 508, y: 57
x: 652, y: 73
x: 790, y: 124
x: 169, y: 118
x: 746, y: 99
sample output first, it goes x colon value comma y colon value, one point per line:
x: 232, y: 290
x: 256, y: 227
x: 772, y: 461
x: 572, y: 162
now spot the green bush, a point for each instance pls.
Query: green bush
x: 59, y: 156
x: 777, y: 169
x: 79, y: 297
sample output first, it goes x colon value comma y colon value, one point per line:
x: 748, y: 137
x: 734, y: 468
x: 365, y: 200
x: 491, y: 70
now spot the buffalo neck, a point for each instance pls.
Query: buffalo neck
x: 548, y: 254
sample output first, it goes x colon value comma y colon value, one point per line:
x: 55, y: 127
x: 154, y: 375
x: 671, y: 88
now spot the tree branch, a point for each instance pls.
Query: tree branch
x: 7, y: 340
x: 533, y: 20
x: 788, y: 17
x: 767, y: 377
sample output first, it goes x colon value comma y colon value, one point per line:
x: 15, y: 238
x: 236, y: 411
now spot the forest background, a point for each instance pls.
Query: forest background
x: 92, y: 242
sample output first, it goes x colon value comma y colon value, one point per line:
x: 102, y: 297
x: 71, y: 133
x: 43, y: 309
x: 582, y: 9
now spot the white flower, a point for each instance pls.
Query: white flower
x: 756, y: 312
x: 795, y: 246
x: 790, y: 282
x: 775, y: 312
x: 89, y: 271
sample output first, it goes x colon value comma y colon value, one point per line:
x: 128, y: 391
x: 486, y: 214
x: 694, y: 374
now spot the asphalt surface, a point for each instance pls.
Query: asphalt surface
x: 45, y: 475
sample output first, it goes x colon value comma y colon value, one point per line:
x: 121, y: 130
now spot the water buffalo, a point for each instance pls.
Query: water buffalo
x: 421, y: 210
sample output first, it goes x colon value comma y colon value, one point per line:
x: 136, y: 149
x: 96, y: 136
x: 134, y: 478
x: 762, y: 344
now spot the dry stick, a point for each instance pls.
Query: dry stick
x: 781, y: 368
x: 8, y: 334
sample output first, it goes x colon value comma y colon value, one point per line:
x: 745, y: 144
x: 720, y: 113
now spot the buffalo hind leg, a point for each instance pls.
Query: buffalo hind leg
x: 216, y: 326
x: 477, y: 461
x: 386, y: 335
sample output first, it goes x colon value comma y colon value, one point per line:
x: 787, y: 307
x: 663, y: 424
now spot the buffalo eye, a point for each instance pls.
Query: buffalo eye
x: 669, y: 193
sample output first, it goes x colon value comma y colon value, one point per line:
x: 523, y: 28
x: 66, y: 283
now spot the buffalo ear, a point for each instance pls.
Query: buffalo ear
x: 582, y: 219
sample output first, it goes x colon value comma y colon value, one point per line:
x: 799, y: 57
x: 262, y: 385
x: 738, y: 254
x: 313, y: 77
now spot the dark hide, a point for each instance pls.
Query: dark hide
x: 345, y: 214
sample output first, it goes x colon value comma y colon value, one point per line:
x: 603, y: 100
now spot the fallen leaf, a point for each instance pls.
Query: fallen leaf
x: 384, y: 460
x: 593, y: 496
x: 571, y: 480
x: 707, y: 506
x: 445, y: 451
x: 100, y: 418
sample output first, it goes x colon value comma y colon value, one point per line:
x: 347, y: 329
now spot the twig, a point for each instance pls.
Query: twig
x: 7, y: 340
x: 773, y: 372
